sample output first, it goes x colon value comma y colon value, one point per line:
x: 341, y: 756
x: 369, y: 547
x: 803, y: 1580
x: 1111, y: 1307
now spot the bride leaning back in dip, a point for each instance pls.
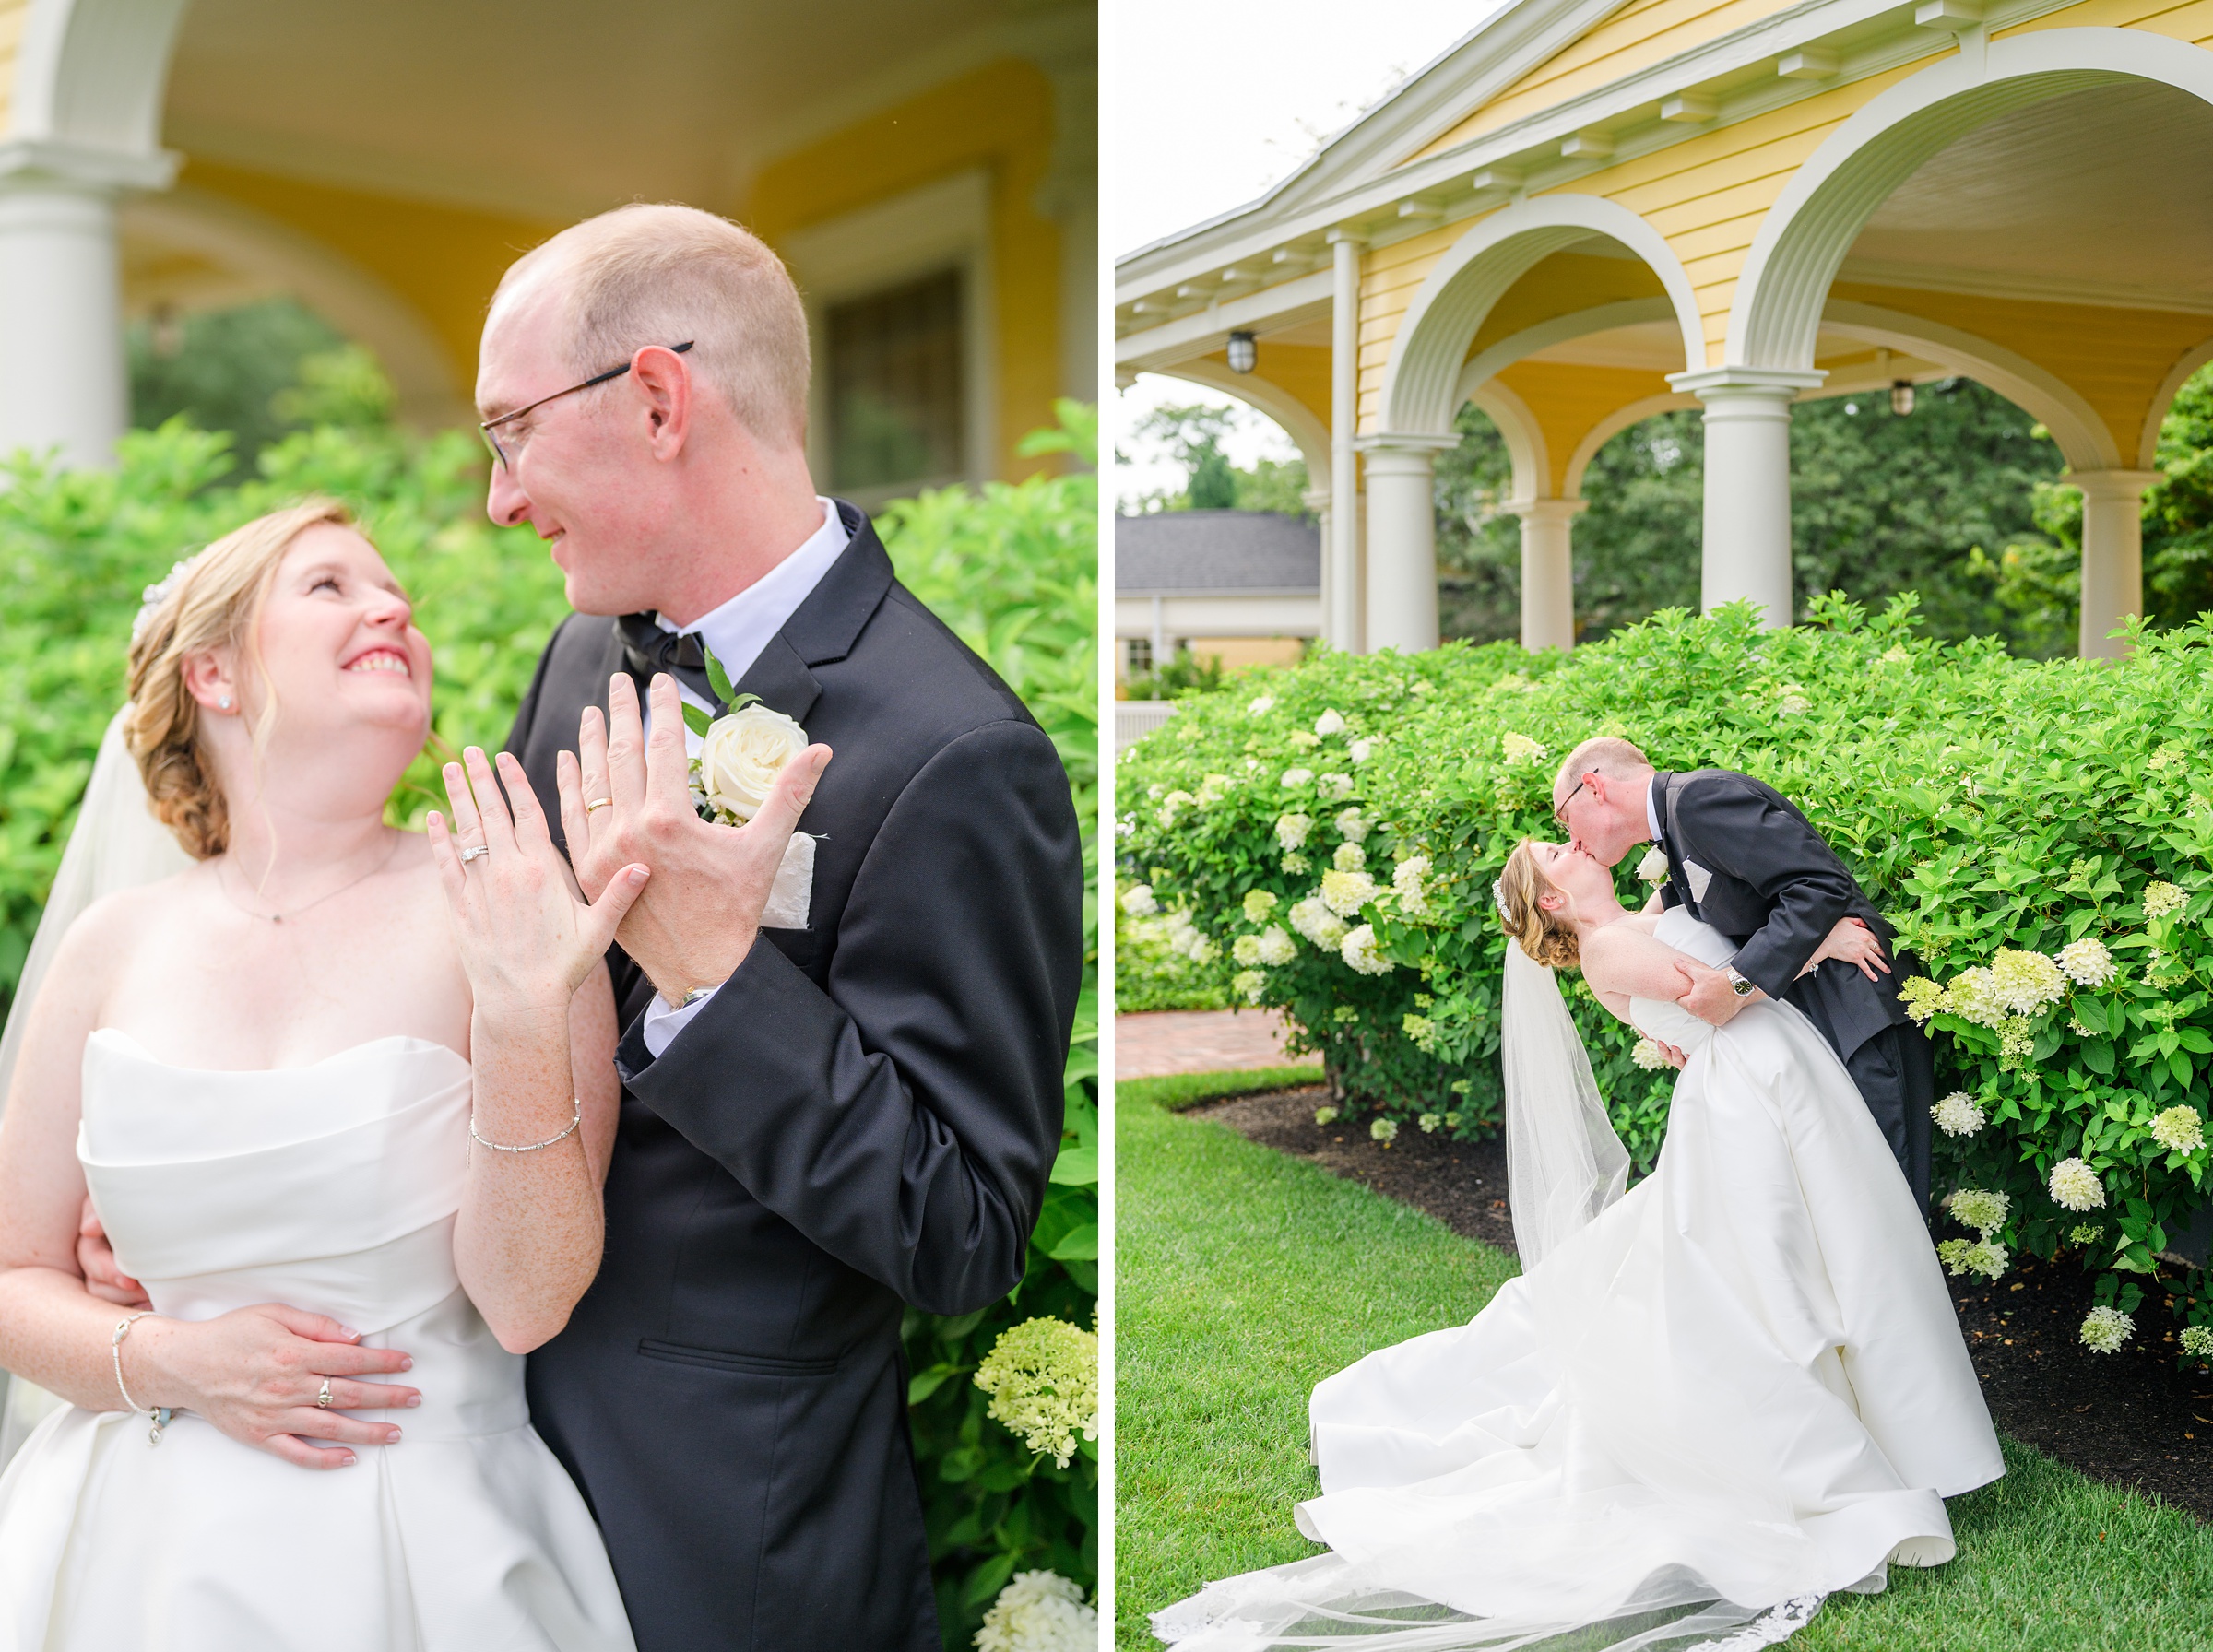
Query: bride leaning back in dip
x: 343, y: 1097
x: 1705, y: 1404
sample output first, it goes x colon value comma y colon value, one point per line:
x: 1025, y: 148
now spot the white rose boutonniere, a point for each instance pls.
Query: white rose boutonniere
x: 1652, y: 868
x: 740, y: 757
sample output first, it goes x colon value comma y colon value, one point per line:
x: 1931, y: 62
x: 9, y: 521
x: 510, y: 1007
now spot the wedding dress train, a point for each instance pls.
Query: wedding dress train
x: 334, y: 1189
x: 1741, y: 1387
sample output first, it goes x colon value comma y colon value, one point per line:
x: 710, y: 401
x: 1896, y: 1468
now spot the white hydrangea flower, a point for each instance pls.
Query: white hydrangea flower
x: 1258, y: 903
x: 2026, y: 982
x: 1039, y: 1611
x: 1331, y: 721
x: 1276, y: 949
x: 1203, y: 950
x: 1958, y: 1115
x: 1303, y: 740
x: 1384, y: 1130
x: 1138, y: 901
x: 2179, y: 1130
x: 1295, y: 865
x: 1976, y: 1256
x: 1521, y: 749
x: 1247, y: 983
x: 1406, y: 880
x: 1358, y: 950
x: 1984, y: 1212
x: 2198, y: 1341
x: 1179, y: 931
x: 1346, y: 894
x: 1428, y: 1123
x: 1362, y: 750
x: 1171, y: 805
x: 1350, y: 857
x: 2105, y: 1330
x: 1652, y: 868
x: 1325, y: 1116
x: 1291, y: 831
x: 1974, y: 996
x: 1260, y: 706
x: 2076, y: 1187
x: 1295, y: 778
x: 1334, y: 788
x: 1792, y: 702
x: 1212, y: 789
x: 1923, y: 998
x: 1353, y: 826
x: 2088, y: 1232
x: 2087, y: 963
x: 1323, y: 928
x: 1896, y: 656
x: 1043, y: 1377
x: 1245, y: 950
x: 2160, y: 898
x: 1646, y: 1053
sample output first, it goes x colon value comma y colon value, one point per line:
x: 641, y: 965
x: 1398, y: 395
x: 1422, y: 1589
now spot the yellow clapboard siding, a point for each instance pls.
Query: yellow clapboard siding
x: 1632, y: 39
x: 1562, y: 285
x: 1569, y: 401
x: 12, y: 16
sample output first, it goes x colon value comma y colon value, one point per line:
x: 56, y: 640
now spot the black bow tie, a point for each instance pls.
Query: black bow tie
x: 647, y: 649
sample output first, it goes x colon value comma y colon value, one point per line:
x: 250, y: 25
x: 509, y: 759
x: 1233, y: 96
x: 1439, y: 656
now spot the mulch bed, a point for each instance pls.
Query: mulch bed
x: 2127, y: 1418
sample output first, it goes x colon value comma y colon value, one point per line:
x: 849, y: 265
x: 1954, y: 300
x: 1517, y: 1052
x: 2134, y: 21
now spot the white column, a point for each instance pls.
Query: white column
x: 1402, y: 540
x: 1341, y: 620
x: 63, y: 382
x: 1548, y: 569
x: 1316, y: 500
x: 2112, y: 554
x: 1745, y: 547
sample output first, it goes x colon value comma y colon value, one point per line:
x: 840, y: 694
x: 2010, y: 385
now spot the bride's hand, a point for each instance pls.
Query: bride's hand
x: 1851, y: 942
x: 255, y: 1374
x: 527, y: 941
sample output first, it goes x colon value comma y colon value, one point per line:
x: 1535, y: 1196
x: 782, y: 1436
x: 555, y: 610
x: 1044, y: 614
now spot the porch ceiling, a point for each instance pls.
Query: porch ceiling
x: 558, y: 108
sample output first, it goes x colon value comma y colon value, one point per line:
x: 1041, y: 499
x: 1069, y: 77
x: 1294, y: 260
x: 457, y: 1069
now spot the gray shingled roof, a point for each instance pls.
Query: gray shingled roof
x: 1174, y: 551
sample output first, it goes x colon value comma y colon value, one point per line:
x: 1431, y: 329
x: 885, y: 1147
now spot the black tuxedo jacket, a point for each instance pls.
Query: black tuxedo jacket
x: 862, y: 1118
x: 1741, y: 858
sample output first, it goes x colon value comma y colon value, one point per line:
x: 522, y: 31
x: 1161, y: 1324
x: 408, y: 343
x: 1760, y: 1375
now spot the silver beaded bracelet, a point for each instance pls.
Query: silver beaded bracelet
x: 530, y: 1147
x: 159, y: 1414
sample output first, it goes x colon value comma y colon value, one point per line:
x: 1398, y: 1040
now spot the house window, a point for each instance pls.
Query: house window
x: 1140, y: 656
x: 896, y: 393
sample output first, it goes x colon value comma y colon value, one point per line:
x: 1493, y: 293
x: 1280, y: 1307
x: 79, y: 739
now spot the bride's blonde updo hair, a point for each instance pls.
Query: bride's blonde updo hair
x: 209, y: 601
x: 1546, y: 937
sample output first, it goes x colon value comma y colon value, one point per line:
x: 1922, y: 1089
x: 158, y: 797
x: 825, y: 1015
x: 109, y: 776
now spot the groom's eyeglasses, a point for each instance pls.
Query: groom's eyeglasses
x: 498, y: 453
x: 1559, y: 809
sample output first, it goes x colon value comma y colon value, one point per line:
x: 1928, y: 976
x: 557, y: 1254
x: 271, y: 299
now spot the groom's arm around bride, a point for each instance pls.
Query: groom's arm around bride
x: 823, y: 1125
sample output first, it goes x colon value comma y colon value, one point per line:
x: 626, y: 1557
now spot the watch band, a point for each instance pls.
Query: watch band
x: 1738, y: 984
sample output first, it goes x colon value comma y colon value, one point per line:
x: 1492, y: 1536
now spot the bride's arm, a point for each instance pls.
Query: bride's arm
x: 254, y: 1373
x: 541, y: 1042
x: 1624, y: 962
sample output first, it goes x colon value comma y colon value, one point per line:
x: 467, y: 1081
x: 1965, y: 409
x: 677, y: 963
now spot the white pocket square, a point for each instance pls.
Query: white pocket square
x: 1697, y: 875
x: 790, y: 895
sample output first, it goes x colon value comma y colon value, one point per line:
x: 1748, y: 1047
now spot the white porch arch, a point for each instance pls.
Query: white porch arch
x: 1306, y: 428
x: 2148, y: 442
x: 1488, y: 363
x: 1428, y: 375
x: 1606, y: 428
x: 1802, y: 243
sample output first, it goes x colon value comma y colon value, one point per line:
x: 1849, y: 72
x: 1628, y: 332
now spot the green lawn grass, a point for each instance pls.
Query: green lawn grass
x: 1246, y: 1277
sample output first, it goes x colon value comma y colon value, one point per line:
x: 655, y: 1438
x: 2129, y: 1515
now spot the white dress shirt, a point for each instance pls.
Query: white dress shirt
x: 736, y: 634
x: 1652, y: 807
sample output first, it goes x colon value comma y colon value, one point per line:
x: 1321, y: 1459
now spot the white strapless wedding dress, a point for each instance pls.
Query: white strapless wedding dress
x: 1742, y: 1383
x: 334, y: 1189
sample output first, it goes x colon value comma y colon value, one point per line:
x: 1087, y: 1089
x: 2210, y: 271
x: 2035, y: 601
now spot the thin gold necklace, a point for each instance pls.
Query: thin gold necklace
x: 278, y: 917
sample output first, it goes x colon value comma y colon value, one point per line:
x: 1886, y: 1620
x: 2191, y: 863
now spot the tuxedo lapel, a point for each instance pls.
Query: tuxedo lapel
x: 781, y: 681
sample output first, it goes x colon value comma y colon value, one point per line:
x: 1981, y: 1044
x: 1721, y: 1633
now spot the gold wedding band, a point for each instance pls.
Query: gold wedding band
x: 599, y: 803
x: 323, y: 1400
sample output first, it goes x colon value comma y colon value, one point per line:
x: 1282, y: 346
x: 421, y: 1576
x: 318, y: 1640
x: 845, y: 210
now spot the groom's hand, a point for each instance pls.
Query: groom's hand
x: 625, y: 798
x: 1708, y: 994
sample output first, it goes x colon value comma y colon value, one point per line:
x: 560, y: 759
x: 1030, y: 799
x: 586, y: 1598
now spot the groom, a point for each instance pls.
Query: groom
x: 1741, y: 858
x: 823, y: 1125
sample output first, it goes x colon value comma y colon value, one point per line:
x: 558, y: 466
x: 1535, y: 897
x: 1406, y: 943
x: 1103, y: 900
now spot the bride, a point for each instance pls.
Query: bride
x: 1704, y: 1405
x: 343, y: 1099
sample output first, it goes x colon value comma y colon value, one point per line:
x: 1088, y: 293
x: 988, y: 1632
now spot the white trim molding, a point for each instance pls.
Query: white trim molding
x: 2147, y: 444
x: 941, y: 225
x: 1421, y: 380
x: 1803, y: 239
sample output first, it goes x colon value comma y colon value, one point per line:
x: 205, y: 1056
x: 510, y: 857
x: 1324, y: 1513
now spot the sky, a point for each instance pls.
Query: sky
x: 1213, y: 101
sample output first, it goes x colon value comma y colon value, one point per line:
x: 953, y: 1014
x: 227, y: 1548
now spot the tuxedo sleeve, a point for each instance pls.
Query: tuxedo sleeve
x: 905, y: 1115
x: 1736, y: 830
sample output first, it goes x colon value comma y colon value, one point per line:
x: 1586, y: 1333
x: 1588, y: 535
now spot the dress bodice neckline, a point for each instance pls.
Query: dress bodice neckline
x: 117, y: 1036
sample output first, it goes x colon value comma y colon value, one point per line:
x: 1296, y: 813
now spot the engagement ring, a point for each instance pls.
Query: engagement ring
x: 323, y: 1398
x: 469, y: 855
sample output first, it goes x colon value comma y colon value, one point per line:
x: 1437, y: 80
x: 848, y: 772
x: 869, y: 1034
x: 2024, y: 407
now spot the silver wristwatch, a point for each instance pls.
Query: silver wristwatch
x: 1738, y: 984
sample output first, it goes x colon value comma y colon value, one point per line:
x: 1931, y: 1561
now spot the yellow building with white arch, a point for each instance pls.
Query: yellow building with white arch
x: 927, y: 167
x: 1589, y: 211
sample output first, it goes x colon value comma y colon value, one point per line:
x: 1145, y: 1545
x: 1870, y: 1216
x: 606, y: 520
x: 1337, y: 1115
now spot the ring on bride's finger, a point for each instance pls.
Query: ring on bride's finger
x: 322, y: 1396
x: 469, y: 855
x: 599, y: 803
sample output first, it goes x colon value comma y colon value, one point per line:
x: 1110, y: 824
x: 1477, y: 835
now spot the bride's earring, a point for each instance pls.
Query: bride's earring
x: 223, y: 705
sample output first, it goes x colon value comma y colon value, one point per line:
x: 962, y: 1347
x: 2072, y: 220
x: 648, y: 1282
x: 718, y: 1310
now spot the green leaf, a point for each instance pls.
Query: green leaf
x: 717, y: 678
x: 1080, y: 1245
x: 696, y: 720
x: 1076, y: 1166
x: 923, y: 1384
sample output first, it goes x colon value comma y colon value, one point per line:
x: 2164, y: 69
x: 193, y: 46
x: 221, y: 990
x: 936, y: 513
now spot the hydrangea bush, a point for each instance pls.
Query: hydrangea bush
x: 2040, y: 832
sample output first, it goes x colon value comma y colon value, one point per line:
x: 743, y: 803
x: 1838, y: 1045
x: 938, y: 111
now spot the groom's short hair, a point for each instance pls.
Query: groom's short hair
x: 1611, y: 756
x: 662, y: 274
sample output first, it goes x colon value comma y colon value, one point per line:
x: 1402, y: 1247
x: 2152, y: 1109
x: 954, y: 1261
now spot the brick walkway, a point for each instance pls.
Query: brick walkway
x: 1178, y: 1041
